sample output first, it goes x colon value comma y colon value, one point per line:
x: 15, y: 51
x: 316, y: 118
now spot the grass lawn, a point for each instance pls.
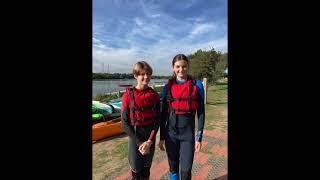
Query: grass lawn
x: 217, y: 108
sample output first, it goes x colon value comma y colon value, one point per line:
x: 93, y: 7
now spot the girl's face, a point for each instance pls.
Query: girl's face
x: 180, y: 68
x: 143, y: 78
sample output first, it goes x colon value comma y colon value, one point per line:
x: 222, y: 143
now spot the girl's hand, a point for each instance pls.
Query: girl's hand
x: 144, y: 148
x: 198, y: 146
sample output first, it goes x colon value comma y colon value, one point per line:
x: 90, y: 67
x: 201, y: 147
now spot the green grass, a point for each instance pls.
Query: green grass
x: 121, y: 150
x: 158, y: 89
x: 210, y: 128
x: 102, y: 158
x: 217, y: 94
x: 216, y: 103
x: 104, y: 98
x: 217, y: 107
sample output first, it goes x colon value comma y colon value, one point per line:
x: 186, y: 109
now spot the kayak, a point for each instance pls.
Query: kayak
x: 105, y: 112
x: 106, y: 119
x: 101, y: 108
x: 106, y: 129
x: 117, y: 103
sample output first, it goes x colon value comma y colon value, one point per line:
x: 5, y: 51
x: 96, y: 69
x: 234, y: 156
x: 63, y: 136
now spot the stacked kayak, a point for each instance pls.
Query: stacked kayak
x: 116, y: 103
x: 106, y: 120
x: 104, y: 112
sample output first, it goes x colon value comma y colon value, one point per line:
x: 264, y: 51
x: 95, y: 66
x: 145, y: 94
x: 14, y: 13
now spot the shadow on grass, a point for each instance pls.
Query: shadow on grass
x: 111, y: 138
x: 221, y: 83
x: 216, y: 103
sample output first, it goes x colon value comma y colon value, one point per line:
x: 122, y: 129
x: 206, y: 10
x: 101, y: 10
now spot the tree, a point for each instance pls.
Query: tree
x: 210, y: 64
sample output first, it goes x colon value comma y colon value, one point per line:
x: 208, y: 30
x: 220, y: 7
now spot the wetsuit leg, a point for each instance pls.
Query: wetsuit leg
x: 186, y: 160
x: 147, y: 162
x: 173, y: 148
x: 135, y: 159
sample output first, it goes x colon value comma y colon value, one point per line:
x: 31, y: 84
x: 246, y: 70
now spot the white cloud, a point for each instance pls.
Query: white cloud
x: 202, y: 28
x: 138, y: 21
x: 149, y: 8
x: 196, y: 19
x: 97, y: 43
x: 119, y: 60
x: 101, y: 46
x: 159, y: 55
x: 147, y: 29
x: 155, y: 15
x: 220, y: 44
x: 155, y: 37
x: 189, y: 4
x: 95, y: 40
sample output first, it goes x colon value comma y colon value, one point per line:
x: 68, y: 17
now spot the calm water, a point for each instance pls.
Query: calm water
x: 112, y: 85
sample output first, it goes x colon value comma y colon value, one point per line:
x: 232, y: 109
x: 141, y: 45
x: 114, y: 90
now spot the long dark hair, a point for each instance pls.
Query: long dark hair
x: 180, y: 57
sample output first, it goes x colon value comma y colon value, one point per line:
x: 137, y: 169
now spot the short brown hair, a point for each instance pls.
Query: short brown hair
x: 141, y: 66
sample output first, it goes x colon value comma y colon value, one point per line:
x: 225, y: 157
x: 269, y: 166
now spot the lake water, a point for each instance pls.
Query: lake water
x: 112, y: 85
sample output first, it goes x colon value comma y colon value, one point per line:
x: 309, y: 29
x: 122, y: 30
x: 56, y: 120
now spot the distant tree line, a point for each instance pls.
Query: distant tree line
x: 112, y: 76
x: 209, y: 64
x: 100, y: 76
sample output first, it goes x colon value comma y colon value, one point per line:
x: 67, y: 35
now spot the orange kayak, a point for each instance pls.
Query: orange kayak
x: 106, y: 129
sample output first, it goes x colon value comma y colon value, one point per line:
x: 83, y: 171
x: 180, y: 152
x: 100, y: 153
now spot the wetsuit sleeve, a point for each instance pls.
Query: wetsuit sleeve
x: 157, y: 120
x: 125, y: 119
x: 200, y: 111
x: 164, y: 113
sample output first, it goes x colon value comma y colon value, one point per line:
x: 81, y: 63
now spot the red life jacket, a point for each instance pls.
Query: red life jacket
x: 182, y: 98
x: 142, y: 107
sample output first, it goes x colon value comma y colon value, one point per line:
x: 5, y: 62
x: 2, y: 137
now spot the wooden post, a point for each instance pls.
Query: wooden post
x: 204, y: 82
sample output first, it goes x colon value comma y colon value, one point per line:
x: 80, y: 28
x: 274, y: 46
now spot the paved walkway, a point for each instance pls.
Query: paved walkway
x: 209, y: 163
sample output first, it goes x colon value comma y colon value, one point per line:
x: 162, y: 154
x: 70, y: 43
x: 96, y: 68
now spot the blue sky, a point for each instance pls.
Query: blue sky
x: 127, y: 31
